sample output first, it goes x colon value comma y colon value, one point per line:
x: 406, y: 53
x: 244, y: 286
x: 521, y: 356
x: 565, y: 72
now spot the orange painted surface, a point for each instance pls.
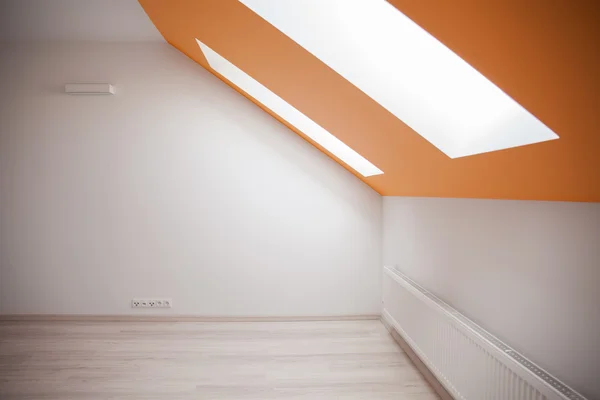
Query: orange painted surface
x: 543, y: 53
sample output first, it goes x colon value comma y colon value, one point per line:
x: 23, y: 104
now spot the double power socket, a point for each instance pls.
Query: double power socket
x: 151, y: 303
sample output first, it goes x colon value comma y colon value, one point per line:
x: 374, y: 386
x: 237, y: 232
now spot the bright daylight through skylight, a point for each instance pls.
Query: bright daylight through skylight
x: 288, y: 113
x: 409, y: 72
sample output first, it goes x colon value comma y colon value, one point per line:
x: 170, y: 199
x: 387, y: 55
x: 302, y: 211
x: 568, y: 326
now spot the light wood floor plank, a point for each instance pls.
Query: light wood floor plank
x: 191, y: 360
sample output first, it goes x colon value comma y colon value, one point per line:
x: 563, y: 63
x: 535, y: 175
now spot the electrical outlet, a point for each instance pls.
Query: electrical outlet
x: 151, y: 303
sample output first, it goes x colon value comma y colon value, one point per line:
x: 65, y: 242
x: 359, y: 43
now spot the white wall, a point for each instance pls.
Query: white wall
x: 527, y: 271
x: 176, y: 187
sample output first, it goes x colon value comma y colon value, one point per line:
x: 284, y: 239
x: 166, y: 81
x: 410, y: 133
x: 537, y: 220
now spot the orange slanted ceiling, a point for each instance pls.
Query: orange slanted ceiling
x: 544, y: 54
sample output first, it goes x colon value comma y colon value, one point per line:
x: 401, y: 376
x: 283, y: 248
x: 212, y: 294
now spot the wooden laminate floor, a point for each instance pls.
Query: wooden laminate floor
x: 217, y: 360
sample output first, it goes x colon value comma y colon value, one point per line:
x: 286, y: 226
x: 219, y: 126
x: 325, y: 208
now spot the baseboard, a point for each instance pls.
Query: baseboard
x: 176, y: 318
x: 427, y: 374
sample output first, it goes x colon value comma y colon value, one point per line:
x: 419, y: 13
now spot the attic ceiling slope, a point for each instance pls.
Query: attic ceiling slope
x: 544, y: 55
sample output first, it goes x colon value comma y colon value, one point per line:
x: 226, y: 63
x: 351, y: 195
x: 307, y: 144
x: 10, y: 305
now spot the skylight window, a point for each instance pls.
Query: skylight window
x: 288, y: 112
x: 409, y: 72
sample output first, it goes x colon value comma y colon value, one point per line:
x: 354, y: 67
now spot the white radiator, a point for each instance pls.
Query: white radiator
x: 469, y: 362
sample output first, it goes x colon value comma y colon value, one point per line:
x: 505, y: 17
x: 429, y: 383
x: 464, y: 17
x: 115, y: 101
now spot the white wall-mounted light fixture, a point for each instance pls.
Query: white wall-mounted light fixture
x: 407, y: 71
x: 286, y: 111
x: 89, y: 88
